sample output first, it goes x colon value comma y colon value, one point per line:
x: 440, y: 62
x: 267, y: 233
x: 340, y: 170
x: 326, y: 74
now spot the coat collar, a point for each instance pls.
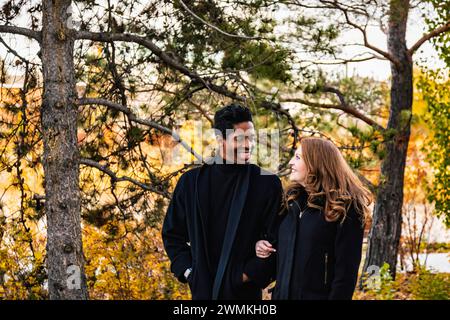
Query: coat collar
x: 302, y: 199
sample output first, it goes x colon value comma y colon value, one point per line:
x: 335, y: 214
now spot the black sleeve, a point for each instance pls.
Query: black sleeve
x: 175, y: 233
x: 261, y: 271
x: 348, y: 247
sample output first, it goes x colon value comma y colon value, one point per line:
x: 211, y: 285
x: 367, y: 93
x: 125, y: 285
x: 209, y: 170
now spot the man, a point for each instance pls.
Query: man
x: 217, y: 214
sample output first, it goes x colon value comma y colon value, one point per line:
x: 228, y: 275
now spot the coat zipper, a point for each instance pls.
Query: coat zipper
x: 301, y: 214
x: 326, y: 267
x: 301, y: 211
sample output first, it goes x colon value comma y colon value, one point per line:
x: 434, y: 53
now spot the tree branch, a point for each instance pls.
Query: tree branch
x: 214, y: 27
x: 175, y: 64
x: 428, y: 36
x: 372, y: 187
x: 385, y: 54
x: 202, y: 111
x: 113, y: 176
x: 15, y: 53
x: 345, y: 61
x: 164, y: 56
x: 36, y: 35
x: 342, y: 106
x: 125, y: 37
x: 132, y: 117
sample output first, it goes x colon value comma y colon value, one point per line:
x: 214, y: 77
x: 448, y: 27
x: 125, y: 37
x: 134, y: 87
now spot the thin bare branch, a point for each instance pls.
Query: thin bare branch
x: 161, y: 54
x: 132, y: 117
x: 15, y: 53
x: 428, y: 36
x: 214, y: 27
x: 345, y: 12
x: 115, y: 178
x: 201, y: 110
x: 342, y: 106
x: 345, y: 61
x: 175, y: 64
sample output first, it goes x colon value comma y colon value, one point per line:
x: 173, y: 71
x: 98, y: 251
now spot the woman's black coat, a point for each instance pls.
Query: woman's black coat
x: 317, y: 259
x: 185, y: 235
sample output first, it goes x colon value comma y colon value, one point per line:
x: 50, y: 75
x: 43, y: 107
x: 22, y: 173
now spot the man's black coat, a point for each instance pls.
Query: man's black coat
x: 255, y: 212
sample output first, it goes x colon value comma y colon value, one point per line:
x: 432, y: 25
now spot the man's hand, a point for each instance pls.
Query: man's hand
x: 245, y: 278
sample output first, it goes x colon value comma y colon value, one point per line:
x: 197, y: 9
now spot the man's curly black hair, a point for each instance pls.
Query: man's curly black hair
x: 230, y: 115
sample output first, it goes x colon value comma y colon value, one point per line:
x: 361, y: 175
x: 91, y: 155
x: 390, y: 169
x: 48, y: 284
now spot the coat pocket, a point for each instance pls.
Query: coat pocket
x: 316, y: 275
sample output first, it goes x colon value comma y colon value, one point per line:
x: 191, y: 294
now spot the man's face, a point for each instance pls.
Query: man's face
x: 238, y: 145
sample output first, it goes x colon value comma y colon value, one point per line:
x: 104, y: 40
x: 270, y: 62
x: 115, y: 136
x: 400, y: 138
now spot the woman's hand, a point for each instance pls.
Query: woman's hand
x: 264, y: 249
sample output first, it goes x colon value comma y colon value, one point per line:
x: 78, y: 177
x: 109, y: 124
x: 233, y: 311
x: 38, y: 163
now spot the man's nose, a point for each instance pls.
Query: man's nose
x: 248, y: 144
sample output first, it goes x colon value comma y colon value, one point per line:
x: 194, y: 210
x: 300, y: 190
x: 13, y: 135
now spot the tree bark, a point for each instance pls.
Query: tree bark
x: 65, y: 260
x: 384, y: 236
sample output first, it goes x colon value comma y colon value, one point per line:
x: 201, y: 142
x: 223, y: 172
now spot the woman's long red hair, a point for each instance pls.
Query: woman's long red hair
x: 331, y: 179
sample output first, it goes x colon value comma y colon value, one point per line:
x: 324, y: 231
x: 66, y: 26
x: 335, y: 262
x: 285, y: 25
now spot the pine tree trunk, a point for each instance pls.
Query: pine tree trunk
x: 65, y: 261
x: 384, y: 236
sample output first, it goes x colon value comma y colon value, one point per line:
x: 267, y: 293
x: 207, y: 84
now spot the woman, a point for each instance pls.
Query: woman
x: 321, y: 234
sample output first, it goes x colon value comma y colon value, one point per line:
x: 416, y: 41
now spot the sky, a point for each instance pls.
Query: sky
x: 377, y: 69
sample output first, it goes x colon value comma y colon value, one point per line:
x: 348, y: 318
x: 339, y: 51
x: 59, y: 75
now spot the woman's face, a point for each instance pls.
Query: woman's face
x: 298, y: 167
